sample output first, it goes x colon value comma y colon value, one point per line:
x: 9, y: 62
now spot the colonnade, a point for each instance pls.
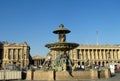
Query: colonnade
x: 38, y: 62
x: 15, y: 54
x: 97, y: 56
x: 18, y: 56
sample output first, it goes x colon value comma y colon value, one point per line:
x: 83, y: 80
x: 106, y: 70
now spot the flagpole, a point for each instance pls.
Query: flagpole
x: 97, y: 38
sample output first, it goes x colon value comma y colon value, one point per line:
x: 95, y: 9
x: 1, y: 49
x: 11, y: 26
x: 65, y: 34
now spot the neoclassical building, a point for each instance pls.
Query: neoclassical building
x: 101, y: 55
x: 15, y: 53
x: 38, y: 60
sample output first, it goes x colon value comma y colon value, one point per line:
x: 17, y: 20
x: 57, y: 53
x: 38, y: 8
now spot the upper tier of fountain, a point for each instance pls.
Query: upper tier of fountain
x: 61, y: 45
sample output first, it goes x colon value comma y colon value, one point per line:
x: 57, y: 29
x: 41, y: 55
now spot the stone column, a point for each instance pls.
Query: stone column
x: 21, y: 56
x: 11, y: 54
x: 108, y: 55
x: 40, y: 61
x: 115, y: 54
x: 84, y: 54
x: 111, y: 54
x: 119, y: 54
x: 96, y: 54
x: 89, y: 54
x: 100, y: 54
x: 6, y: 54
x: 17, y: 54
x: 72, y: 56
x: 35, y: 62
x: 104, y: 54
x: 79, y: 54
x: 92, y: 52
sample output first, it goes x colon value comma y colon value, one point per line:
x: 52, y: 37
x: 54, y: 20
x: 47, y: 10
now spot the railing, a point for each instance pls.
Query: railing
x: 10, y: 75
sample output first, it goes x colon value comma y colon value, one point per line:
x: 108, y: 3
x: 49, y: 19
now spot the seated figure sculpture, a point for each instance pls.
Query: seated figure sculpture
x: 62, y: 38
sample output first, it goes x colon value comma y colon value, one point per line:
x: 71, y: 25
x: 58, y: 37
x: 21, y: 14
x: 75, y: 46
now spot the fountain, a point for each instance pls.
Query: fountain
x: 62, y: 61
x: 61, y: 68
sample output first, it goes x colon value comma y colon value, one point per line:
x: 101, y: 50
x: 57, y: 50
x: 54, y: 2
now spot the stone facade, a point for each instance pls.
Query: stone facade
x: 101, y: 55
x: 14, y: 53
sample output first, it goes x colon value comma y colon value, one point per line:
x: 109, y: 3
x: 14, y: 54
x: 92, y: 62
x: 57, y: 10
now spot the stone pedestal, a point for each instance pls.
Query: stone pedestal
x: 107, y: 73
x: 90, y: 74
x: 43, y: 75
x: 94, y: 74
x: 104, y: 73
x: 64, y: 75
x: 29, y: 75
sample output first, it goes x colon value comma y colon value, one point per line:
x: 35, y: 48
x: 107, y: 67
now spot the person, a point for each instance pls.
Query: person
x: 83, y: 67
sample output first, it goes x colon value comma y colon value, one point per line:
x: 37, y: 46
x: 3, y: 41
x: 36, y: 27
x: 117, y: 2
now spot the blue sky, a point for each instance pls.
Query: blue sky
x: 33, y: 21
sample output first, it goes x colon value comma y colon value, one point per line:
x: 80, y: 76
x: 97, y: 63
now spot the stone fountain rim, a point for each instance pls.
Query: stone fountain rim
x: 62, y: 46
x: 58, y: 31
x: 68, y: 43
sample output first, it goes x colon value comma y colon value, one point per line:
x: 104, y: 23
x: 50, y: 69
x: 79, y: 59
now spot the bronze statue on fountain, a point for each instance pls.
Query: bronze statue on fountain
x: 62, y: 61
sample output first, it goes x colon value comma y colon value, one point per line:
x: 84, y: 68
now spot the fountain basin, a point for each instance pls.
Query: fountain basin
x: 62, y: 46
